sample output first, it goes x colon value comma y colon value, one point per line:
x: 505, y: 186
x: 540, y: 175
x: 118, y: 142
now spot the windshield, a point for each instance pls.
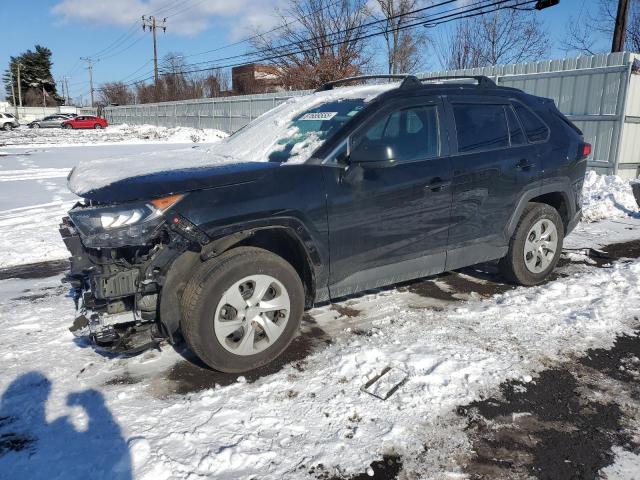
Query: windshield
x: 292, y: 131
x: 310, y: 129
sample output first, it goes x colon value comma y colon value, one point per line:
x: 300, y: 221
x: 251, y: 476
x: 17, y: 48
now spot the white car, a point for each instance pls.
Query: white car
x: 8, y: 121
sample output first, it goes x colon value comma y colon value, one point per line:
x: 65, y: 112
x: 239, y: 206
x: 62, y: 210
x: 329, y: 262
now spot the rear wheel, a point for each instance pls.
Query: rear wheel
x: 535, y: 246
x: 7, y: 126
x: 68, y: 126
x: 242, y: 309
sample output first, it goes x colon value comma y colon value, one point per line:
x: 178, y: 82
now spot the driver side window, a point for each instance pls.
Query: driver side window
x: 403, y: 136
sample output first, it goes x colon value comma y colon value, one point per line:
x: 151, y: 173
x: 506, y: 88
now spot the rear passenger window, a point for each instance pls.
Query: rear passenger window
x: 480, y: 127
x: 515, y: 130
x: 535, y: 129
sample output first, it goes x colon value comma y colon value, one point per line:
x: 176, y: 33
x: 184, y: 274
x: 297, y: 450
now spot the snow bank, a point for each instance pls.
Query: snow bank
x: 607, y: 196
x: 123, y: 133
x: 254, y: 143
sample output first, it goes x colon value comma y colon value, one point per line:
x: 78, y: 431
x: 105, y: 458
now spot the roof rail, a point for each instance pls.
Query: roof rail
x: 407, y: 80
x: 483, y: 81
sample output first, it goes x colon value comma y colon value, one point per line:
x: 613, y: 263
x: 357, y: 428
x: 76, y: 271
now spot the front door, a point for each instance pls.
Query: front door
x: 388, y: 221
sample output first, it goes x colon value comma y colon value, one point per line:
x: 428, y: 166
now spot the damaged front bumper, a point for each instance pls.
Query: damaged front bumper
x: 117, y: 290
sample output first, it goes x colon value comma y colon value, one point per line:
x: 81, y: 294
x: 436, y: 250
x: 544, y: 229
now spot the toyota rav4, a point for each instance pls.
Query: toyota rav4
x: 326, y: 195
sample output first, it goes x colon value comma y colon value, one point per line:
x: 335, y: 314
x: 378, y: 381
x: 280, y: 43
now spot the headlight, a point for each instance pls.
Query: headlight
x: 120, y: 225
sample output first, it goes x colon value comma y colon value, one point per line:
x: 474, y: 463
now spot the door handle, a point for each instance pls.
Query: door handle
x: 437, y: 185
x: 523, y: 164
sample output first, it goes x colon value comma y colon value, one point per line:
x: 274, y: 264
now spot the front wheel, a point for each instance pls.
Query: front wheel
x: 535, y: 247
x: 68, y: 127
x: 242, y: 309
x: 97, y: 126
x: 7, y: 127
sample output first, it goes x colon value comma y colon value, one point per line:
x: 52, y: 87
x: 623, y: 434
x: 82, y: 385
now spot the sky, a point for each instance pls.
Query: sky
x: 111, y: 32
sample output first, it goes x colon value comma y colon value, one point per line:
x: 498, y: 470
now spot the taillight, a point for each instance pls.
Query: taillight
x: 585, y: 150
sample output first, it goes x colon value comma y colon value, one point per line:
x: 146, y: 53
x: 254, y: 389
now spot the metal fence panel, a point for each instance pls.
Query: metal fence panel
x: 596, y: 92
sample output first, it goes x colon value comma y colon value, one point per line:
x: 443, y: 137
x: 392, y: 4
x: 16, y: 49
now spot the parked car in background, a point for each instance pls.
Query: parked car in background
x: 8, y: 121
x: 52, y: 121
x: 85, y: 121
x: 401, y: 181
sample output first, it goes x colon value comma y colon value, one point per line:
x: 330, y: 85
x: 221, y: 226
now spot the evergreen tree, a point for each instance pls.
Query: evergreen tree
x: 35, y: 74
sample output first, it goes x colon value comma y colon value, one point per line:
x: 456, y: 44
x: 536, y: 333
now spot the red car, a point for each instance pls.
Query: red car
x: 85, y: 121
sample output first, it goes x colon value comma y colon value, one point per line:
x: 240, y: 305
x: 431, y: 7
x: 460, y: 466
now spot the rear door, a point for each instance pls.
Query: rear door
x: 389, y: 223
x: 487, y: 177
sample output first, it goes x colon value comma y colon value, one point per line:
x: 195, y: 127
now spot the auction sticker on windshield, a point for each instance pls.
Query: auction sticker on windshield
x: 318, y: 116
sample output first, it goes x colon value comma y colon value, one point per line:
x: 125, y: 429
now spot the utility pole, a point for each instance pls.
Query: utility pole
x: 620, y: 29
x: 66, y: 87
x: 152, y: 24
x: 13, y: 93
x: 19, y: 85
x: 90, y: 68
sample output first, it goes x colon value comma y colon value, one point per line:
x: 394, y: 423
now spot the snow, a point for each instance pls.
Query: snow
x: 253, y: 143
x: 122, y: 133
x: 625, y: 466
x: 607, y: 196
x: 305, y: 414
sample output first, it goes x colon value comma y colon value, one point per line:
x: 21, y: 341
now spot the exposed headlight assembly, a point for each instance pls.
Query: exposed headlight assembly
x: 121, y: 225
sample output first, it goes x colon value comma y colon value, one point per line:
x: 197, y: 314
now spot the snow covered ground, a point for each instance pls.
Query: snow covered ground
x: 67, y: 411
x: 123, y: 133
x: 33, y: 178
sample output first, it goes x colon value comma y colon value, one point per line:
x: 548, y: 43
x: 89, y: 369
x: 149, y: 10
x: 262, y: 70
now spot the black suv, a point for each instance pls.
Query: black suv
x: 334, y: 193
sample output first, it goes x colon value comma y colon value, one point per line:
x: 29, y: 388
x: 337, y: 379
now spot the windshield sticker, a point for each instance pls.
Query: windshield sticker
x: 318, y: 116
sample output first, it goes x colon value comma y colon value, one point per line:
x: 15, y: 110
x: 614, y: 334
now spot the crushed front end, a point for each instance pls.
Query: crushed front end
x: 120, y: 256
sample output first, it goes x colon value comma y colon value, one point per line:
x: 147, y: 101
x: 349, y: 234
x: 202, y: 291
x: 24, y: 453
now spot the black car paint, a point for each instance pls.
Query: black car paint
x: 366, y: 226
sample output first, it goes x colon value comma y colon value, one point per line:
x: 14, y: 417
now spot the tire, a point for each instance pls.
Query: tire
x: 206, y: 319
x: 97, y: 126
x: 535, y: 266
x: 7, y: 127
x: 68, y: 127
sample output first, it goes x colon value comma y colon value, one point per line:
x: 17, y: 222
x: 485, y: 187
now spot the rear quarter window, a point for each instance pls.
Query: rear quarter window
x: 480, y: 127
x: 534, y: 128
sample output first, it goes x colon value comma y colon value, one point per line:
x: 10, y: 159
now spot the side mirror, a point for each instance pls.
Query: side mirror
x: 372, y: 155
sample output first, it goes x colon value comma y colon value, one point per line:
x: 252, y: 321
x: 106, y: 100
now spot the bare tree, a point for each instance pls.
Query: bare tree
x: 582, y: 29
x: 404, y: 45
x: 459, y: 49
x: 319, y: 41
x: 500, y: 37
x: 117, y: 93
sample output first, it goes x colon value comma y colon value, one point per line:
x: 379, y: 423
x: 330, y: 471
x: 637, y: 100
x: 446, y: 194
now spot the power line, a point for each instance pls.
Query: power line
x: 479, y: 8
x: 302, y: 43
x: 290, y: 48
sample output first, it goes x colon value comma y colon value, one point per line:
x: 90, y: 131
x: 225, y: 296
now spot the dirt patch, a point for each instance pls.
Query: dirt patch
x: 345, y: 310
x: 14, y: 442
x: 560, y: 425
x: 125, y: 379
x: 386, y: 469
x: 35, y: 270
x: 622, y: 362
x: 193, y: 376
x: 429, y: 289
x: 486, y: 288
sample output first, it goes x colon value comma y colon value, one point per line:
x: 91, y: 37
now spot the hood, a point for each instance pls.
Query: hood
x: 160, y: 184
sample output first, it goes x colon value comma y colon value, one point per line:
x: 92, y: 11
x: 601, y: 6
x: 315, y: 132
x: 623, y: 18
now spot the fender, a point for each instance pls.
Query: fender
x: 227, y: 237
x: 560, y: 186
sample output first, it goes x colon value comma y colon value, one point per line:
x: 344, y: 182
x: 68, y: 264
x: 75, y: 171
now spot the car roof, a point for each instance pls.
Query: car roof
x: 413, y: 86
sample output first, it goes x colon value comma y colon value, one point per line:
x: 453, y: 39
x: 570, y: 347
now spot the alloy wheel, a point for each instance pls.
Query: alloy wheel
x: 252, y: 314
x: 540, y: 245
